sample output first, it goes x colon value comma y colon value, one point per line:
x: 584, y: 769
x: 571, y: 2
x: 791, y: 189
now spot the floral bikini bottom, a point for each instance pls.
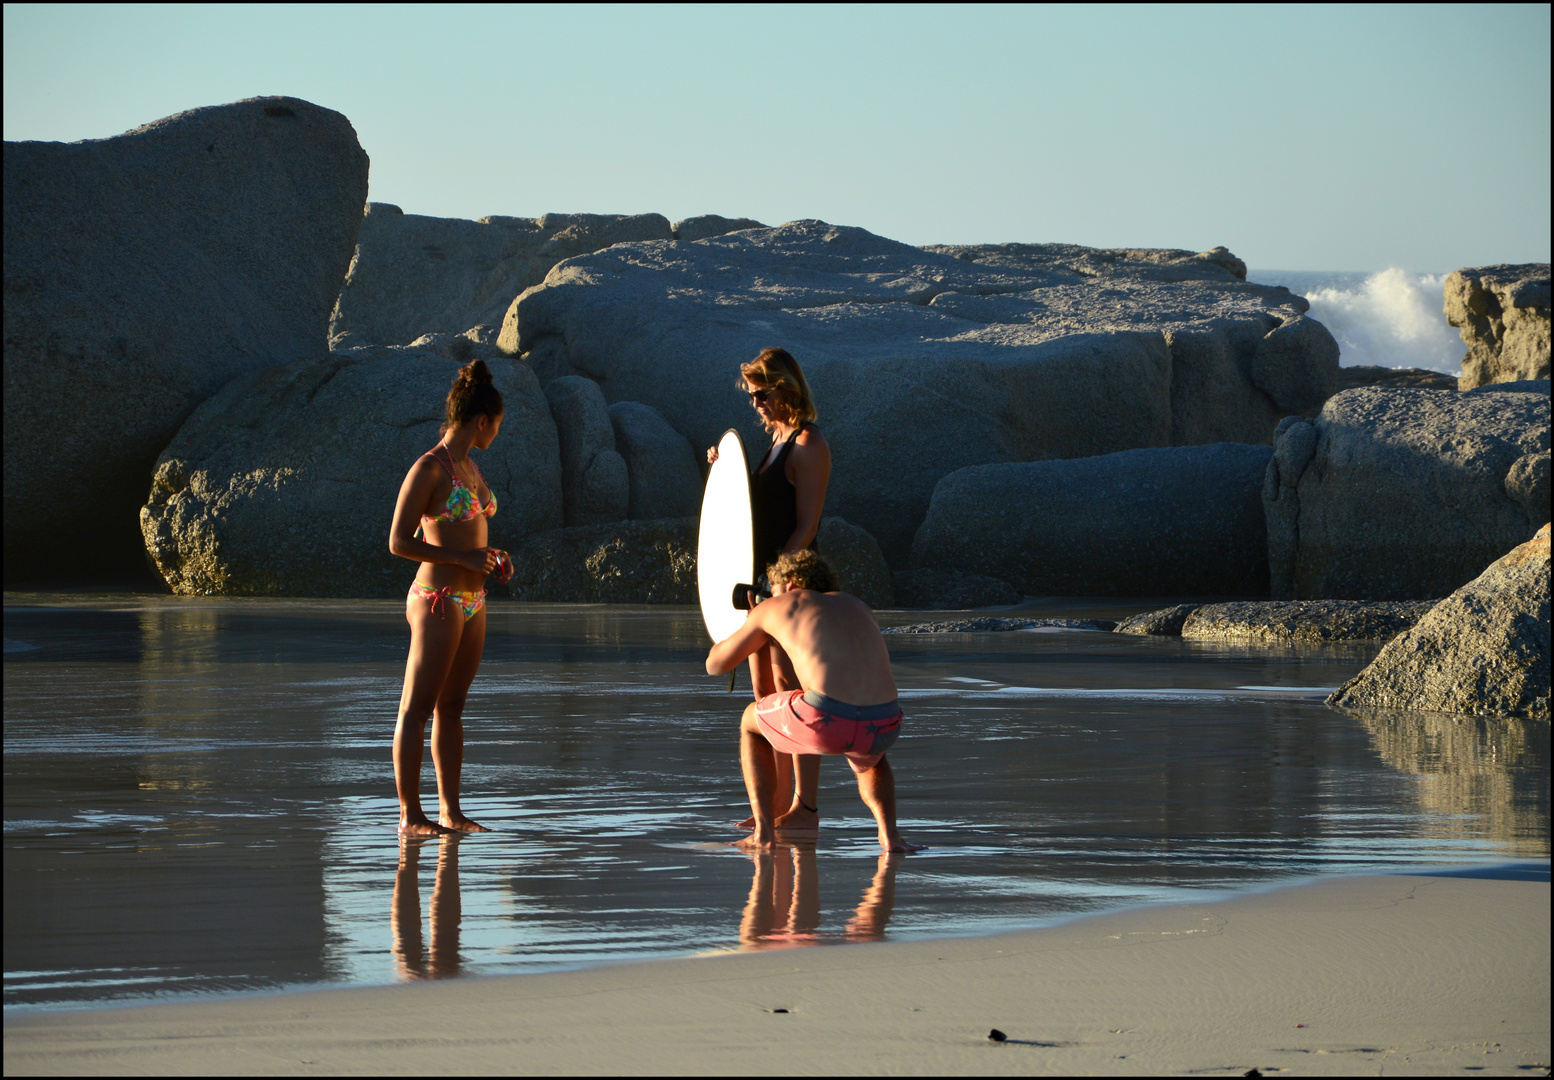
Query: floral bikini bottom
x: 469, y: 602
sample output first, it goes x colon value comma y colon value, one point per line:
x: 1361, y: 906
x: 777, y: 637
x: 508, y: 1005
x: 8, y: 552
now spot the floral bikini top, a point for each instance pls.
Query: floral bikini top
x: 463, y: 504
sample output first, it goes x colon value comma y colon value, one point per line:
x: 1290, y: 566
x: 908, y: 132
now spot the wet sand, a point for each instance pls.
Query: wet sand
x: 1346, y: 976
x: 216, y: 813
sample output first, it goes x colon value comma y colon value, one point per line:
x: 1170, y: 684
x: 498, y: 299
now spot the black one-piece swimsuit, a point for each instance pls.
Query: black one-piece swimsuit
x: 773, y: 506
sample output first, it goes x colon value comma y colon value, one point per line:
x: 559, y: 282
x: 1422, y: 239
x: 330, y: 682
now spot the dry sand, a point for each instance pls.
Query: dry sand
x: 1404, y: 975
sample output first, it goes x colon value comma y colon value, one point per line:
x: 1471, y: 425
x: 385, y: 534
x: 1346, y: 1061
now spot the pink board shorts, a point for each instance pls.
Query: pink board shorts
x: 804, y: 722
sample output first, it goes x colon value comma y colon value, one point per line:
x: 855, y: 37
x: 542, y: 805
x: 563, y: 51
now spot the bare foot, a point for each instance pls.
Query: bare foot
x: 896, y: 844
x: 461, y: 824
x: 756, y: 842
x: 413, y: 827
x: 748, y: 823
x: 799, y: 821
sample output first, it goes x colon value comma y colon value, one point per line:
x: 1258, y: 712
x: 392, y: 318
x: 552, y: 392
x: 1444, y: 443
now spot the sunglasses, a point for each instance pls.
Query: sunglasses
x: 759, y: 395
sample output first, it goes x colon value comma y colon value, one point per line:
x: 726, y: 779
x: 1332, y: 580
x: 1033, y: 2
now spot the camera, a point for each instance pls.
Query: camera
x: 742, y: 598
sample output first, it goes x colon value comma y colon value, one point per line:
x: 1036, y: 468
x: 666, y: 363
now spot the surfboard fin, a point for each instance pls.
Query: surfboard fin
x: 731, y: 680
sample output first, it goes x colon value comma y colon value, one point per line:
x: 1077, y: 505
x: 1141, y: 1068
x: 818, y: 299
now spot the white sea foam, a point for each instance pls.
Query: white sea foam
x: 1392, y: 318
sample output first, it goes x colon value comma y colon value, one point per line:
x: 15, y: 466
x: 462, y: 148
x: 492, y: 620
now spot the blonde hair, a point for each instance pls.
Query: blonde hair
x: 803, y: 570
x: 775, y: 369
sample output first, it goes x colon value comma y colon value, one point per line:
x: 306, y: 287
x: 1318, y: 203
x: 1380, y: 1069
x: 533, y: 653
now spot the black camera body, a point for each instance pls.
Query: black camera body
x: 742, y: 597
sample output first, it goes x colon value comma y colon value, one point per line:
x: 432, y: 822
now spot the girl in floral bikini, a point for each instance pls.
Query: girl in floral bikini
x: 445, y: 497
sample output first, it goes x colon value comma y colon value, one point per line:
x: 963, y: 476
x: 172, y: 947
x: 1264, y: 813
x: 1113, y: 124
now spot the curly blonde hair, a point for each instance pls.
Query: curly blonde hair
x: 775, y: 369
x: 804, y: 570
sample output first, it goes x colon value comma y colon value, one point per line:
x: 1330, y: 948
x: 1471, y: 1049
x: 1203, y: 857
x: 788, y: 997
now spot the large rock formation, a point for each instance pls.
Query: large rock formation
x: 143, y: 272
x: 595, y: 487
x: 1169, y: 521
x: 415, y: 275
x: 1403, y: 494
x: 706, y: 226
x: 857, y: 560
x: 1527, y: 484
x: 992, y: 625
x: 284, y: 483
x: 1164, y: 622
x: 627, y: 562
x: 654, y: 562
x: 1281, y: 621
x: 951, y: 590
x: 923, y: 362
x: 1483, y: 650
x: 1394, y: 378
x: 1304, y: 621
x: 664, y: 474
x: 1502, y: 313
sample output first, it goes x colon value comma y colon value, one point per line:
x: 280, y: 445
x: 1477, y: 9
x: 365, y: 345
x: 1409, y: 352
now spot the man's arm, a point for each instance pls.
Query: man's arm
x: 727, y: 654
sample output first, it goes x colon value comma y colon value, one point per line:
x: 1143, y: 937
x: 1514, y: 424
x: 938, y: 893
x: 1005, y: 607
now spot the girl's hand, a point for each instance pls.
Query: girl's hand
x: 712, y: 454
x: 480, y: 561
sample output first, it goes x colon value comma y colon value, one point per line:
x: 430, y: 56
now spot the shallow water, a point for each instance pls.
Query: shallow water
x: 199, y: 797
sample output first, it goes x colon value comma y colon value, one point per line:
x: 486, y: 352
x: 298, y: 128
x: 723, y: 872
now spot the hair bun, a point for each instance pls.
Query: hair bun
x: 474, y: 391
x: 475, y: 373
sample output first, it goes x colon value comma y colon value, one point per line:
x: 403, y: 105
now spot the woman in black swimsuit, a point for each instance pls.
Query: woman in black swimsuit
x: 787, y: 494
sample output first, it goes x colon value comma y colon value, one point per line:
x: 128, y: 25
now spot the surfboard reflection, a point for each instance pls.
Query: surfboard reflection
x: 783, y: 910
x: 411, y: 956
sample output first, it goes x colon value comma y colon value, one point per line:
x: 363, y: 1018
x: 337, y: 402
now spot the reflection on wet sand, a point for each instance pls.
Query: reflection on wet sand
x: 412, y: 958
x: 783, y: 910
x: 1481, y: 775
x: 176, y: 771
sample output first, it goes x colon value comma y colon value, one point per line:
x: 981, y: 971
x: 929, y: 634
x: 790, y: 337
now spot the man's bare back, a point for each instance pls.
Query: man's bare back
x: 832, y: 639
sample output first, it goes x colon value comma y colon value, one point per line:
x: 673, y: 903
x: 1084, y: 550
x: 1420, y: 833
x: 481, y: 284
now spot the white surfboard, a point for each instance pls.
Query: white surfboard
x: 725, y: 546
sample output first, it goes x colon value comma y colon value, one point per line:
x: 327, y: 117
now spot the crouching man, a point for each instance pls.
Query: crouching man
x: 847, y: 705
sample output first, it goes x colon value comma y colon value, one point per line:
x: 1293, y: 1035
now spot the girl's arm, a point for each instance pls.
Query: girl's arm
x: 809, y: 470
x: 415, y: 496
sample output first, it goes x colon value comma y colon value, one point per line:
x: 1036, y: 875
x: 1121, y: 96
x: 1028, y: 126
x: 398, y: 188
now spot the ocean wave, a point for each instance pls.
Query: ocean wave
x: 1392, y: 318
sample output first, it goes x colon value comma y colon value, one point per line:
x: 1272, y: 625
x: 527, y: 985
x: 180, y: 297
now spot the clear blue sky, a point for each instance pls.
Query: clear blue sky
x: 1332, y: 138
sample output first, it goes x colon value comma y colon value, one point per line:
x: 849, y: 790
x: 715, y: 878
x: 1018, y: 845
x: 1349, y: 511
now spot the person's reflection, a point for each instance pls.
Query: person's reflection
x: 405, y: 917
x: 879, y: 900
x: 783, y: 910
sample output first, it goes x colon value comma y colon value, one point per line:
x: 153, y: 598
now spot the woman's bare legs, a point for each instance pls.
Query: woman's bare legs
x: 801, y: 771
x: 448, y: 725
x: 771, y: 671
x: 802, y: 818
x: 439, y: 669
x: 434, y: 639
